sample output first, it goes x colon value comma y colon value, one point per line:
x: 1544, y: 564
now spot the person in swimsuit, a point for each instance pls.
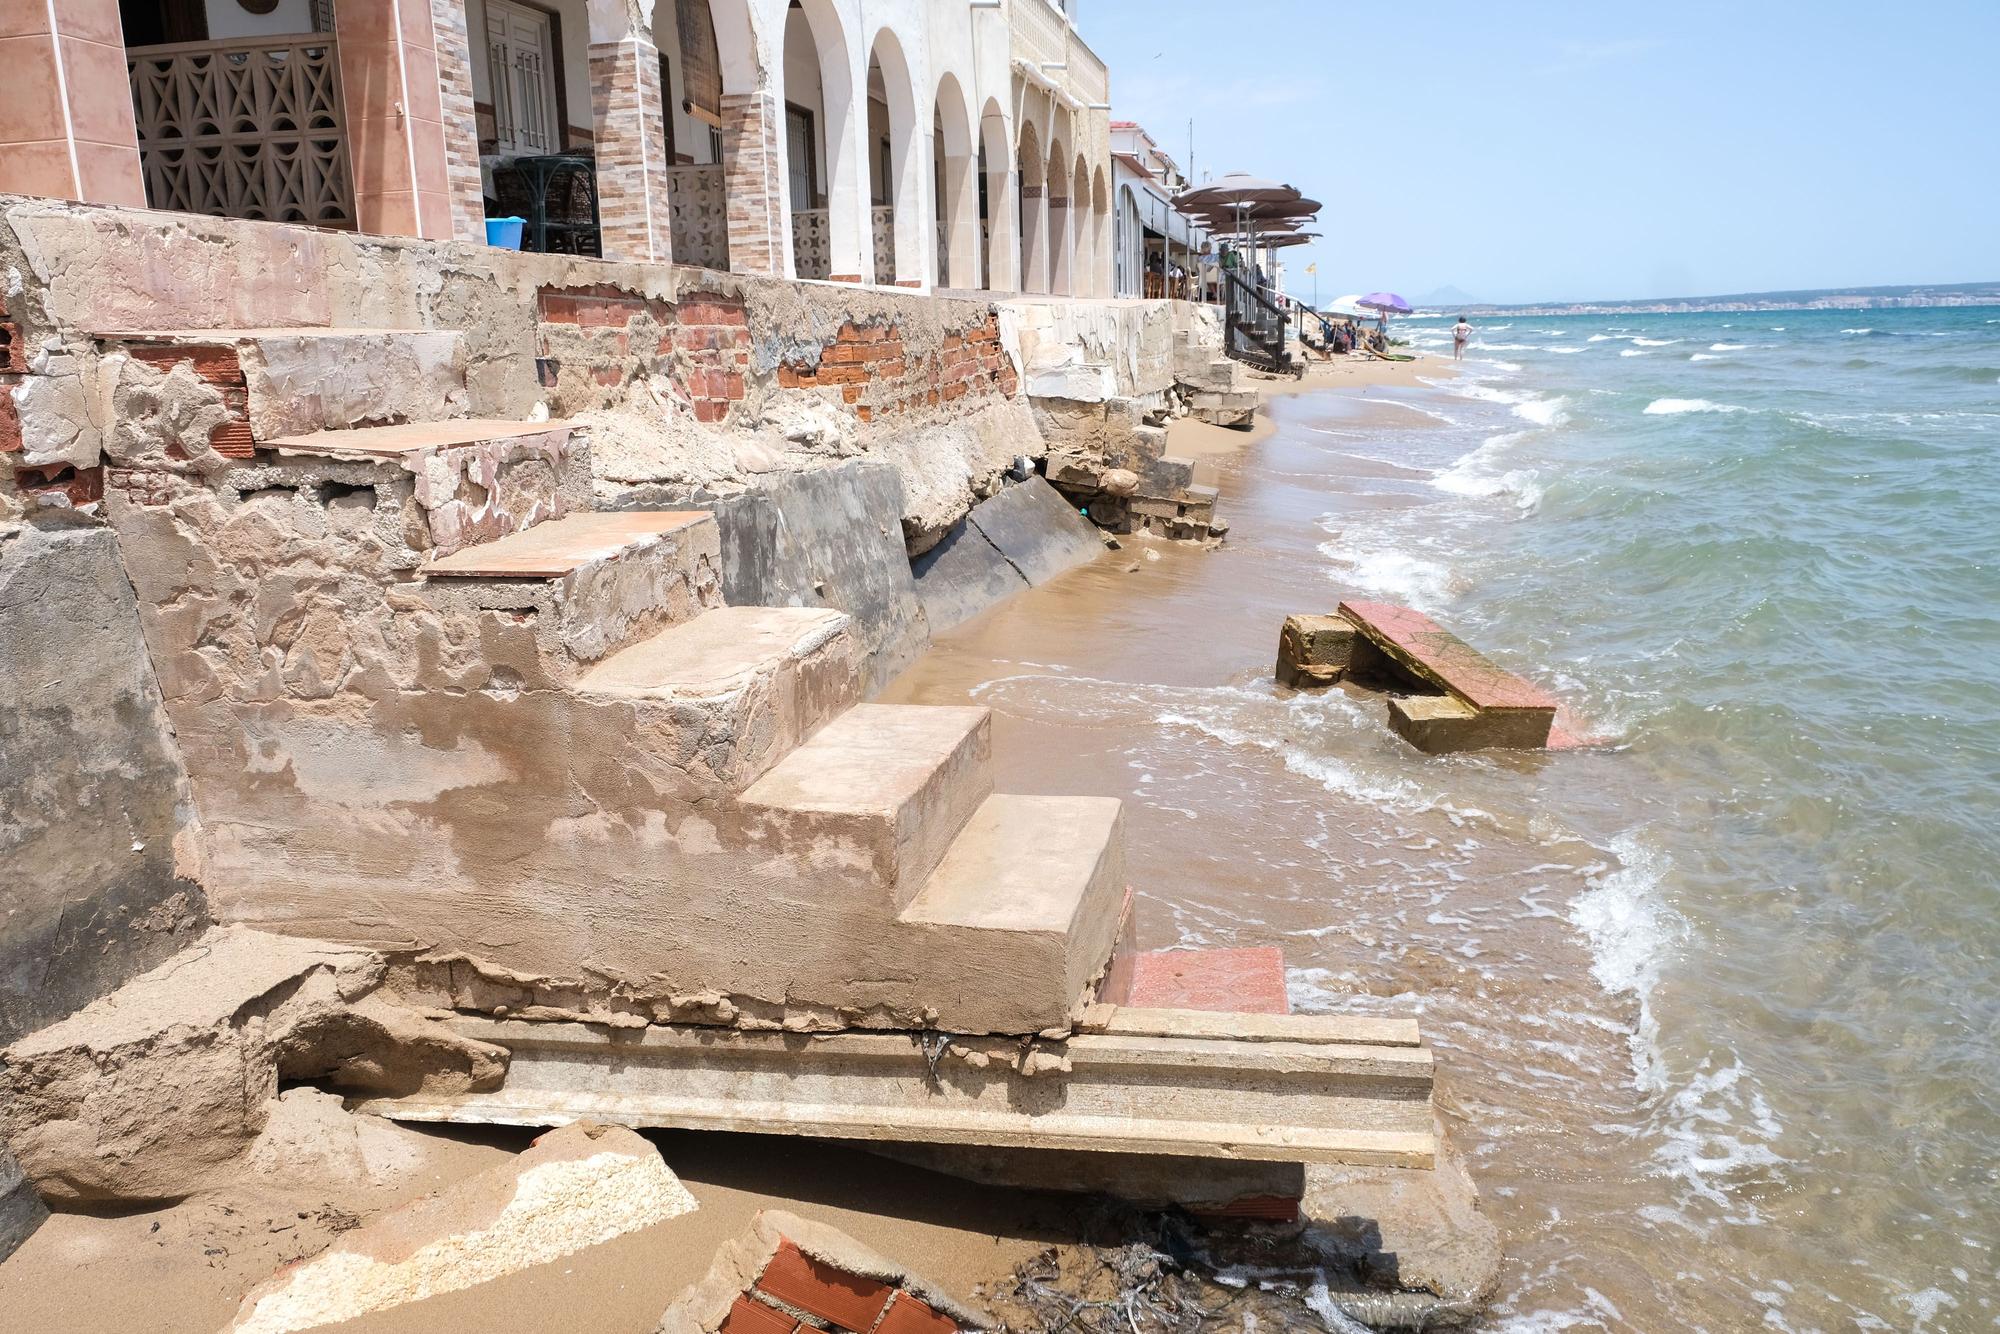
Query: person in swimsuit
x: 1461, y: 334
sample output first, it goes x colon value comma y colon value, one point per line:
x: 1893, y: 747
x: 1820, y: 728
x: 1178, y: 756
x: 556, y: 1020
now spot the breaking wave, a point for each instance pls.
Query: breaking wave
x: 1668, y: 407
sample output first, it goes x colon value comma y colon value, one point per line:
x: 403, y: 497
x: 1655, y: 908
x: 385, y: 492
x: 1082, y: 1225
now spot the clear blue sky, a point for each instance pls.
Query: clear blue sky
x: 1525, y: 151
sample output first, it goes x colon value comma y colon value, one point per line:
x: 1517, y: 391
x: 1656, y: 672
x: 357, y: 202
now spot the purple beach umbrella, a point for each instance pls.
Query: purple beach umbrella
x: 1388, y: 301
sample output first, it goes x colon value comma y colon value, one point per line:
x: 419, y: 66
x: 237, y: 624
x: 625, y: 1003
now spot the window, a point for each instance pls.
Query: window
x: 526, y: 117
x: 799, y: 141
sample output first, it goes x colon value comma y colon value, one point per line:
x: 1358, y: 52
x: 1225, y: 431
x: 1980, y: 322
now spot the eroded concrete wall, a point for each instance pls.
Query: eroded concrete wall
x: 96, y: 880
x: 694, y: 383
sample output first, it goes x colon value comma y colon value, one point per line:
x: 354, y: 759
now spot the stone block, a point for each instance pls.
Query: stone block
x: 1166, y: 476
x: 577, y: 1187
x: 1315, y: 651
x: 1435, y: 724
x: 784, y: 1266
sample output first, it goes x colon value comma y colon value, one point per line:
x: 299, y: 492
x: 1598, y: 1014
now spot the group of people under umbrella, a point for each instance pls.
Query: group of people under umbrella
x: 1258, y: 216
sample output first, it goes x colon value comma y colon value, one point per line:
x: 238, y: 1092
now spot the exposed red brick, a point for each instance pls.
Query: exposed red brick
x: 954, y: 390
x: 850, y: 393
x: 232, y: 440
x: 80, y: 485
x: 1253, y: 1209
x: 889, y: 370
x: 845, y: 1299
x: 10, y: 422
x: 733, y: 386
x: 141, y: 487
x: 789, y: 378
x: 609, y: 375
x: 708, y: 410
x: 217, y: 364
x: 748, y: 1317
x: 865, y: 412
x: 843, y: 375
x: 907, y: 1315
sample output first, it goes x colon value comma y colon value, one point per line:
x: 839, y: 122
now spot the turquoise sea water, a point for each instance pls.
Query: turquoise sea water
x: 1760, y: 554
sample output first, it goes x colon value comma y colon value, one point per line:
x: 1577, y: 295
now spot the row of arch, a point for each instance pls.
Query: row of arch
x: 1000, y: 207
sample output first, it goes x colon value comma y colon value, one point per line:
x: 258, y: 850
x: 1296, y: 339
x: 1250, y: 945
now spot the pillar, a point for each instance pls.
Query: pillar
x: 464, y: 189
x: 961, y: 221
x: 66, y: 125
x: 1060, y: 240
x: 633, y: 217
x: 1034, y: 238
x: 391, y: 83
x: 753, y: 163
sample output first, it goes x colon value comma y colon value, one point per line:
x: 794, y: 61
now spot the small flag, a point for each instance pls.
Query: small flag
x: 1312, y: 268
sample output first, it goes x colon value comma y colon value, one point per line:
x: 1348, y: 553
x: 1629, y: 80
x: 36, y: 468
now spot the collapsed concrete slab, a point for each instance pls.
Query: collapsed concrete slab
x: 829, y: 538
x: 1317, y: 651
x: 1021, y: 538
x: 577, y: 1187
x: 21, y: 1208
x: 1302, y: 1089
x: 788, y: 1273
x: 154, y: 1091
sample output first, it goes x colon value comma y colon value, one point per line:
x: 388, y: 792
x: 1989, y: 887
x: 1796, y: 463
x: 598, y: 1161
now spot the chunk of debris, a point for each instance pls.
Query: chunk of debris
x: 1315, y: 651
x: 150, y: 1093
x: 789, y: 1273
x: 575, y: 1188
x: 21, y: 1209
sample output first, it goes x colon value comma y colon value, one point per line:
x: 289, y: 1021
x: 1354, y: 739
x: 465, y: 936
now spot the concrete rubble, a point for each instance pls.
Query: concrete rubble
x: 577, y: 1187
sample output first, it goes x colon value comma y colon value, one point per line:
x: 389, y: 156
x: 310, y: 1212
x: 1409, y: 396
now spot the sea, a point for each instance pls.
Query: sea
x: 1716, y: 997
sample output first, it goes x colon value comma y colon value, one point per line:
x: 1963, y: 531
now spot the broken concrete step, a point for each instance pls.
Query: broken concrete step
x: 290, y: 382
x: 1435, y: 724
x: 596, y: 583
x: 1166, y: 476
x: 1029, y: 899
x: 1201, y: 1097
x: 733, y: 691
x: 476, y: 479
x: 888, y: 785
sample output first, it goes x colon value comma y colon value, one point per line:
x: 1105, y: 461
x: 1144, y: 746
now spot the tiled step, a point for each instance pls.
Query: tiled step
x: 291, y: 382
x: 476, y: 478
x: 886, y: 786
x: 595, y: 583
x: 727, y: 695
x: 1028, y: 900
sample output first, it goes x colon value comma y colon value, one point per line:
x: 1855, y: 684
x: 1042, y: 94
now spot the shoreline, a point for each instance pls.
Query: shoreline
x: 1208, y: 444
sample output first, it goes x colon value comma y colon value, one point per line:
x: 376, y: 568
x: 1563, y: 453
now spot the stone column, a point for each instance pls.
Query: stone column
x: 751, y: 165
x: 961, y: 222
x: 466, y: 192
x: 1060, y: 241
x: 66, y: 126
x: 633, y: 216
x: 1034, y: 238
x: 392, y: 91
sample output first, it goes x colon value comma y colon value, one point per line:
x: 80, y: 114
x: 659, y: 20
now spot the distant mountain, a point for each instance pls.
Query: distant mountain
x: 1448, y: 296
x: 1828, y: 298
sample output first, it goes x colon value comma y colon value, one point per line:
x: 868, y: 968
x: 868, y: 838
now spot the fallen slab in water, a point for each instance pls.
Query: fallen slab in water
x: 1463, y: 700
x: 1310, y: 1090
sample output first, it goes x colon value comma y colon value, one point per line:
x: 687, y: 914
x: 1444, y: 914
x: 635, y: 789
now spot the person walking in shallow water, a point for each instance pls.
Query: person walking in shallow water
x: 1461, y: 334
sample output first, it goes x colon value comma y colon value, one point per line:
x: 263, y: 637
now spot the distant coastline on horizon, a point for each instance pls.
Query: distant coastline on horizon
x: 1914, y: 296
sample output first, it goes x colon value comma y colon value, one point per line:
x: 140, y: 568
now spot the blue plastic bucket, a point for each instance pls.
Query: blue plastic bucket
x: 505, y: 232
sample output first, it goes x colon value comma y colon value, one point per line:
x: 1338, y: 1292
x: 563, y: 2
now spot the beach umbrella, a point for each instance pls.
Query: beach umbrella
x: 1385, y: 301
x: 1233, y: 190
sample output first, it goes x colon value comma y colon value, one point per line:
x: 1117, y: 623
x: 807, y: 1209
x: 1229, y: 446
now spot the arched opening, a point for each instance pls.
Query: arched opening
x: 1130, y: 266
x: 1034, y: 213
x: 691, y: 83
x: 999, y: 203
x: 1083, y: 233
x: 1061, y: 238
x: 820, y: 182
x: 957, y: 187
x: 895, y: 185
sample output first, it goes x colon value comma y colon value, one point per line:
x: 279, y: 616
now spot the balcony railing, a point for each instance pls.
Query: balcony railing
x: 250, y: 128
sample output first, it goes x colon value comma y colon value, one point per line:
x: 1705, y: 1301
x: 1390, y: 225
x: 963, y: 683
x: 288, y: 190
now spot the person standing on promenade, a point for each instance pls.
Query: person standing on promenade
x: 1461, y: 334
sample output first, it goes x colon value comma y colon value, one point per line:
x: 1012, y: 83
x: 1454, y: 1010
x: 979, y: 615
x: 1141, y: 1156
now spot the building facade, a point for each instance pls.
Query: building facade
x: 922, y: 143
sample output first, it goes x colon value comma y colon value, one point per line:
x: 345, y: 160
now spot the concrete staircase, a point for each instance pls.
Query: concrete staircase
x: 434, y: 703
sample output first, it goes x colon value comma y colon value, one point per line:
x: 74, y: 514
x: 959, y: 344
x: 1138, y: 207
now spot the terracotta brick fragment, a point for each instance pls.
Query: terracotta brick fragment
x: 907, y: 1315
x: 800, y: 1281
x: 10, y: 422
x: 753, y: 1317
x: 233, y: 440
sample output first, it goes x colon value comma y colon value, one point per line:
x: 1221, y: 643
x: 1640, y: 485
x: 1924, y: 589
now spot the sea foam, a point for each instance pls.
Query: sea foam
x: 1668, y: 407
